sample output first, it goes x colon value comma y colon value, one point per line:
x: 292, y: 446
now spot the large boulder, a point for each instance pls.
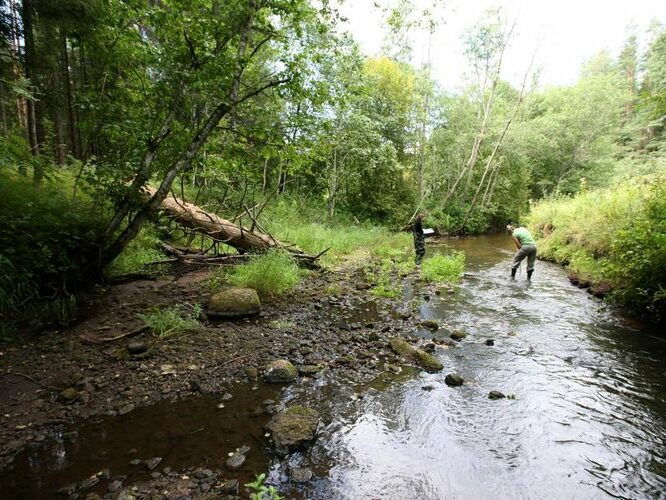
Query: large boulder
x: 426, y: 361
x: 293, y: 428
x: 234, y: 303
x: 280, y: 371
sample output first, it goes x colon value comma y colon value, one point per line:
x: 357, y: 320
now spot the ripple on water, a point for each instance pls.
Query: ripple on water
x: 588, y: 420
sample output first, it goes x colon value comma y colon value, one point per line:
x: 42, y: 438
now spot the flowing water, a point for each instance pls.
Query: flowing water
x: 588, y: 419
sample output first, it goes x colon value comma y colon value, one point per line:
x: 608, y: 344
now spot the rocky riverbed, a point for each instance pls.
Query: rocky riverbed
x: 329, y: 326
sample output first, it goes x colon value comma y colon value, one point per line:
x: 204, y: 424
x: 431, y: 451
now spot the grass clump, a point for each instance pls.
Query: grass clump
x: 386, y: 276
x: 443, y: 268
x: 271, y: 274
x: 174, y: 320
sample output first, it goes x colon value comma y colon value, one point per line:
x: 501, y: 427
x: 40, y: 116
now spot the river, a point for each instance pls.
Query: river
x: 588, y: 419
x: 586, y: 416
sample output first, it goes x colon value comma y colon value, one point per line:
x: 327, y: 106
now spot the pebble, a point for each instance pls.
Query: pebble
x: 114, y: 486
x: 136, y: 347
x: 201, y: 473
x: 490, y: 342
x: 300, y: 474
x: 229, y: 487
x: 89, y: 483
x: 453, y: 380
x: 495, y: 395
x: 235, y: 461
x: 124, y: 410
x: 153, y: 462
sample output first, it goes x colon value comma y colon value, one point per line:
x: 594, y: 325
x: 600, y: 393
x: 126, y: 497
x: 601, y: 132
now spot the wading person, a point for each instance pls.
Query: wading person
x: 526, y: 248
x: 419, y: 239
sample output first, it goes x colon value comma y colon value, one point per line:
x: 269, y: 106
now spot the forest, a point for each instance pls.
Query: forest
x: 241, y: 106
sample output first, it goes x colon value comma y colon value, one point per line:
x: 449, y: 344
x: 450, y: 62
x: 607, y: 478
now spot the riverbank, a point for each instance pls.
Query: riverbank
x: 612, y: 241
x: 329, y: 324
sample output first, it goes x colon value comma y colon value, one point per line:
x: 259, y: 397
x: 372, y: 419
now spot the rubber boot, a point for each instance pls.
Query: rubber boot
x: 529, y: 274
x: 513, y: 274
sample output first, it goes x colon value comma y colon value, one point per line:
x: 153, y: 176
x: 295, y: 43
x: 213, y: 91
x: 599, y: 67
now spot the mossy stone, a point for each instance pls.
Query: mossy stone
x: 458, y: 335
x: 453, y: 380
x: 234, y: 303
x: 69, y: 395
x: 426, y: 361
x: 430, y: 324
x: 280, y: 371
x: 494, y: 395
x: 293, y: 428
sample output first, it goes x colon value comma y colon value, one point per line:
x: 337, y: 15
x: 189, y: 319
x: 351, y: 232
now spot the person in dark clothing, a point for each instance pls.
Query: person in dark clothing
x: 419, y: 239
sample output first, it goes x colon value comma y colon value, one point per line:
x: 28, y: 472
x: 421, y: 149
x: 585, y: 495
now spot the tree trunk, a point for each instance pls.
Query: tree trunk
x: 209, y: 224
x: 31, y: 74
x: 69, y: 101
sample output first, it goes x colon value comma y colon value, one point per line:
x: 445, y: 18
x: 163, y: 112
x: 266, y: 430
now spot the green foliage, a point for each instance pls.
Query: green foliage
x: 48, y: 245
x: 271, y: 275
x: 175, y: 320
x: 615, y: 235
x: 259, y: 490
x: 141, y: 251
x: 305, y: 225
x: 443, y: 268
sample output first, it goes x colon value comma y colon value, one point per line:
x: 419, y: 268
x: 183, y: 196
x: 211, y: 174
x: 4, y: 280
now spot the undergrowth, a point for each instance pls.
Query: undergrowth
x: 271, y: 275
x: 174, y: 320
x: 443, y: 268
x: 142, y: 250
x: 616, y: 235
x: 48, y: 243
x: 260, y: 491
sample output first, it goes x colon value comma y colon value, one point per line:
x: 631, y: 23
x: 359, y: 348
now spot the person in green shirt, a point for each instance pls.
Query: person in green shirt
x: 526, y: 248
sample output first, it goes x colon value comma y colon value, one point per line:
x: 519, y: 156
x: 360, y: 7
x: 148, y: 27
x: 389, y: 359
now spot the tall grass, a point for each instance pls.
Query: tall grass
x: 616, y: 235
x: 306, y: 226
x: 271, y: 275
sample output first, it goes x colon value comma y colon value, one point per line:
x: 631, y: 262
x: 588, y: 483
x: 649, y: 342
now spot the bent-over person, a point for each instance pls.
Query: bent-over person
x: 526, y: 248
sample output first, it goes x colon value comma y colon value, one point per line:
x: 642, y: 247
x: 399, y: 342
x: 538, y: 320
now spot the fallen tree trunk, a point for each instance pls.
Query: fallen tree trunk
x: 194, y: 256
x: 210, y: 224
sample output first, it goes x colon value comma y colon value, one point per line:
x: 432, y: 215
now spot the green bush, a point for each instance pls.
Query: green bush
x: 617, y: 235
x: 443, y: 268
x: 271, y: 274
x: 48, y: 245
x: 140, y: 251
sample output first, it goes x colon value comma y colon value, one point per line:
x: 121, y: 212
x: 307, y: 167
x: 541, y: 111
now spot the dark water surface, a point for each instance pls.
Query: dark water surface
x: 588, y: 419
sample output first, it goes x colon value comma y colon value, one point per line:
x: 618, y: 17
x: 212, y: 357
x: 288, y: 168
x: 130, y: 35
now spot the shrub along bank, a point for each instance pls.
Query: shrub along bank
x: 615, y: 235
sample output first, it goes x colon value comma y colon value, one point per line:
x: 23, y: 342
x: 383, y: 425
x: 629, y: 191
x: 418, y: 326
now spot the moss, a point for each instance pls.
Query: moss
x: 430, y: 324
x: 280, y: 371
x: 293, y: 428
x: 234, y: 302
x: 426, y: 361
